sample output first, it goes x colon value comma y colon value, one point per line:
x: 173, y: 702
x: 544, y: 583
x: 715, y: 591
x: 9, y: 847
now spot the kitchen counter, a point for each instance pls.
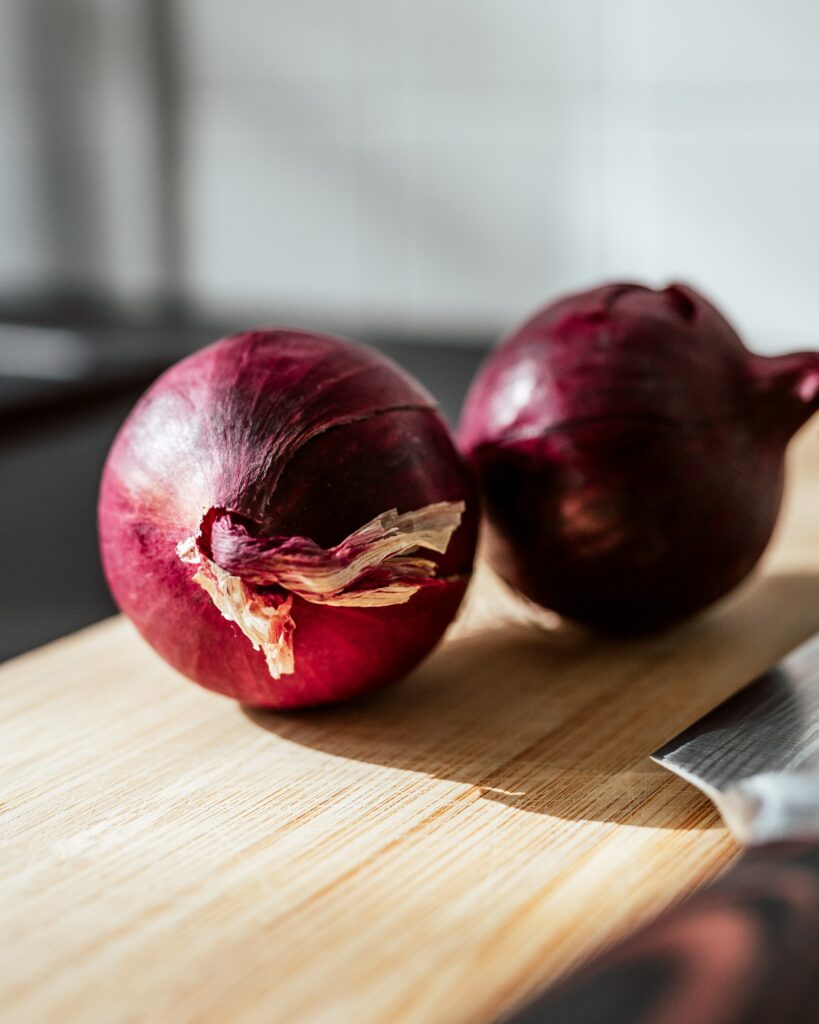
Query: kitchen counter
x: 431, y: 854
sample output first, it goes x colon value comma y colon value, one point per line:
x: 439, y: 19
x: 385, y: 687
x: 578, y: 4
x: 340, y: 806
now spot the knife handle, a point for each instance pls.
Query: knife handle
x: 743, y: 950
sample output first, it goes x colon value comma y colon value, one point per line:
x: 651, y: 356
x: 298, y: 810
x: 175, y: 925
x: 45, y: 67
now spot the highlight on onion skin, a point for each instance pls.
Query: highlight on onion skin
x: 630, y: 452
x: 286, y: 520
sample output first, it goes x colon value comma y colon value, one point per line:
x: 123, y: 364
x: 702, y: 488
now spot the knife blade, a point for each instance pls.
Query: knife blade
x: 745, y: 949
x: 757, y: 755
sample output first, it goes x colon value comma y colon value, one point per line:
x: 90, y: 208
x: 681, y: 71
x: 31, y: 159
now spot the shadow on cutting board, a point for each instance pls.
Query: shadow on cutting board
x: 559, y: 721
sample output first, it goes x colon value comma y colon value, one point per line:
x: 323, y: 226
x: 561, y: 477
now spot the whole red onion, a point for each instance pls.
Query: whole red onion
x: 286, y: 520
x: 630, y: 450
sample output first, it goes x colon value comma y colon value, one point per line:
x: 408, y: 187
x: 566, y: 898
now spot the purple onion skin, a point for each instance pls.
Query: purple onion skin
x: 301, y: 435
x: 630, y: 451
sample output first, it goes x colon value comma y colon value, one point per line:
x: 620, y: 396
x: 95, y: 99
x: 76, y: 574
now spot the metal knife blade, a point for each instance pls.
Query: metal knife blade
x: 757, y: 755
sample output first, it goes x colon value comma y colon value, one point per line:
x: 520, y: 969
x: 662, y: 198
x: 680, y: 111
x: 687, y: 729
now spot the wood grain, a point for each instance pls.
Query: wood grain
x: 433, y: 854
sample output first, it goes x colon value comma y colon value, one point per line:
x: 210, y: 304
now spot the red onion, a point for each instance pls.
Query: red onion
x: 630, y: 451
x: 286, y: 520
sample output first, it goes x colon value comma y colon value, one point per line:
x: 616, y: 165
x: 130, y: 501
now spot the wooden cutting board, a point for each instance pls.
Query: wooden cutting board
x: 429, y: 855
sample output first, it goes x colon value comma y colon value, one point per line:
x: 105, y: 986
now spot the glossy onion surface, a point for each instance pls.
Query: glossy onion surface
x: 286, y: 520
x: 630, y: 451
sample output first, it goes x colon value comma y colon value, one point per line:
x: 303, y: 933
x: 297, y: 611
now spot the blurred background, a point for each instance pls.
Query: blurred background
x: 417, y: 174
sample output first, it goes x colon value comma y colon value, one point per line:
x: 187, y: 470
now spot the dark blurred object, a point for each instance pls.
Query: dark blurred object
x: 63, y: 394
x: 45, y: 368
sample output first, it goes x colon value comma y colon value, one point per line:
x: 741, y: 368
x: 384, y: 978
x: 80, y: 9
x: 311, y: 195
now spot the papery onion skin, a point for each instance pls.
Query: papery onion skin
x: 630, y: 453
x: 299, y: 435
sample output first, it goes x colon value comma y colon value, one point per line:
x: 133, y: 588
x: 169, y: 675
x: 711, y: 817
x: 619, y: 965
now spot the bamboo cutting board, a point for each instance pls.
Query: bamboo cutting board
x: 429, y: 855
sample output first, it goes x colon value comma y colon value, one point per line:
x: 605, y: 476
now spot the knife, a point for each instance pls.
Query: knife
x: 745, y: 949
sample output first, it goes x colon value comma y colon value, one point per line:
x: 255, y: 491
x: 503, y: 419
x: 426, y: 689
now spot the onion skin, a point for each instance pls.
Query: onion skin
x: 294, y: 435
x: 630, y: 451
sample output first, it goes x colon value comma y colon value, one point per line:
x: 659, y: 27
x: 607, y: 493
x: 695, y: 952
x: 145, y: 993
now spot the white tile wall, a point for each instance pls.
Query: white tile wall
x: 23, y: 259
x: 445, y: 164
x: 78, y: 170
x: 271, y: 215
